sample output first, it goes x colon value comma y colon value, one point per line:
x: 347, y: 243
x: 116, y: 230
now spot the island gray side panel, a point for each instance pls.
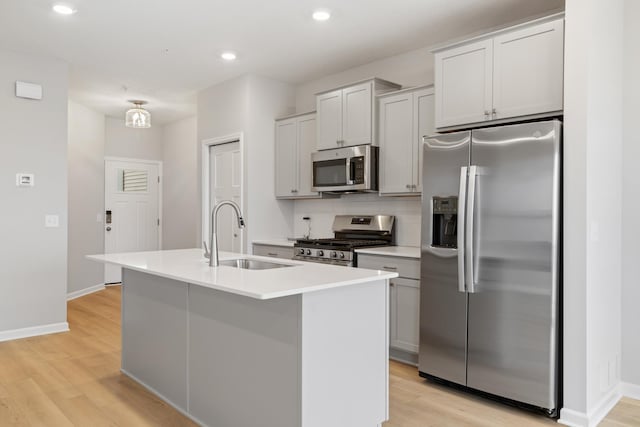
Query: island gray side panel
x: 154, y: 333
x: 345, y: 358
x: 244, y: 359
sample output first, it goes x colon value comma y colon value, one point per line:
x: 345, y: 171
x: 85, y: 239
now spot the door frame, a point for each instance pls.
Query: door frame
x: 206, y: 145
x: 104, y: 192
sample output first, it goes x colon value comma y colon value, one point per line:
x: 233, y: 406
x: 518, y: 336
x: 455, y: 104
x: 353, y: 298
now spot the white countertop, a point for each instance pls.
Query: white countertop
x: 397, y: 251
x: 275, y: 242
x: 190, y: 265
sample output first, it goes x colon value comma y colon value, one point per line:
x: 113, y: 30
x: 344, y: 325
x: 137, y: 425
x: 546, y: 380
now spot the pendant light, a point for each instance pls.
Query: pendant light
x: 138, y: 117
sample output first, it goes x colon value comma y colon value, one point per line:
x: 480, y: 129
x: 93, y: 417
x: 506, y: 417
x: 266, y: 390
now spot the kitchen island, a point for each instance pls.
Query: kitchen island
x: 302, y: 345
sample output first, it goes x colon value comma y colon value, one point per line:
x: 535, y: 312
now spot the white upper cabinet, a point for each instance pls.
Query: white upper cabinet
x: 424, y: 116
x: 286, y: 167
x: 404, y: 118
x: 295, y: 140
x: 346, y: 115
x: 464, y: 83
x: 528, y: 71
x: 511, y: 73
x: 306, y: 145
x: 357, y: 107
x: 329, y: 121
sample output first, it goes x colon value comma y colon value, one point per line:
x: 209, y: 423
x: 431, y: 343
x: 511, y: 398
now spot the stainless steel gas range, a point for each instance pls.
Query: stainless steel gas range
x: 351, y: 232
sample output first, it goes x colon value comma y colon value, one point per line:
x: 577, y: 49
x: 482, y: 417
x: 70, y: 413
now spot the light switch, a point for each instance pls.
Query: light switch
x: 25, y: 180
x: 28, y: 90
x: 51, y: 221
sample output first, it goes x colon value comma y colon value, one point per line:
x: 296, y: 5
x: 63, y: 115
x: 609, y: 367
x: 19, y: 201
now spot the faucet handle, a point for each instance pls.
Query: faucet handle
x: 207, y: 254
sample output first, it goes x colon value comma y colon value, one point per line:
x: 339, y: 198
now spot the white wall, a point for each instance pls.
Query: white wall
x: 249, y: 104
x: 266, y: 216
x: 630, y: 201
x: 180, y: 185
x: 413, y: 68
x: 222, y: 111
x: 121, y: 141
x: 407, y: 211
x: 33, y: 138
x: 592, y: 207
x: 86, y: 196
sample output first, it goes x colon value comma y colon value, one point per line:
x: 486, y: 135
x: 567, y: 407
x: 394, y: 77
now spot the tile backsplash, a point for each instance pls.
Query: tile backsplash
x: 322, y: 211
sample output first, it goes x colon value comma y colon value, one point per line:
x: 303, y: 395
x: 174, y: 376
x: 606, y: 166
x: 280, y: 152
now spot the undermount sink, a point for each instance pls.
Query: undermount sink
x: 251, y: 264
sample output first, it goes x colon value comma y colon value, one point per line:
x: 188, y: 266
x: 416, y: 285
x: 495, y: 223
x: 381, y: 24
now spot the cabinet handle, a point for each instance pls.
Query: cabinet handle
x: 294, y: 191
x: 486, y: 114
x: 494, y: 113
x: 409, y: 186
x: 391, y: 284
x: 384, y: 267
x: 272, y: 254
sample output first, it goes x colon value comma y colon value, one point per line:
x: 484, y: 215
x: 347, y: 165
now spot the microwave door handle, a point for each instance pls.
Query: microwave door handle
x: 351, y: 171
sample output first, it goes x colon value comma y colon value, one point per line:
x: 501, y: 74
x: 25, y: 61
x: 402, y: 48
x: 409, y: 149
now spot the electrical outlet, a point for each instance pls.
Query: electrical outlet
x: 51, y: 221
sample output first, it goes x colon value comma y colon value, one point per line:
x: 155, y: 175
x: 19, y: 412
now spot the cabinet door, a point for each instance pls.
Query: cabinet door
x: 396, y: 143
x: 463, y: 84
x: 424, y: 117
x: 357, y: 110
x: 329, y: 122
x: 528, y: 71
x: 405, y: 314
x: 286, y: 160
x: 282, y: 252
x: 306, y: 145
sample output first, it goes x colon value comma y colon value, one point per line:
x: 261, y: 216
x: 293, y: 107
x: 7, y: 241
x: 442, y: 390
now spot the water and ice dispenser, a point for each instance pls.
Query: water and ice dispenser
x: 445, y: 222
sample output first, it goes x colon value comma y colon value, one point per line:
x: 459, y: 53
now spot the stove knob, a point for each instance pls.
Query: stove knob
x: 342, y: 255
x: 308, y: 251
x: 301, y: 251
x: 320, y: 253
x: 334, y: 254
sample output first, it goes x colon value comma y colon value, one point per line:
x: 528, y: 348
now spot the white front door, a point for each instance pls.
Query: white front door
x: 225, y: 183
x: 132, y: 219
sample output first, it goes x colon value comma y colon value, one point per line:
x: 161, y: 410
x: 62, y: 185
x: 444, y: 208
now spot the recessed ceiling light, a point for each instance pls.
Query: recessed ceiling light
x: 321, y: 15
x: 228, y: 56
x: 64, y: 9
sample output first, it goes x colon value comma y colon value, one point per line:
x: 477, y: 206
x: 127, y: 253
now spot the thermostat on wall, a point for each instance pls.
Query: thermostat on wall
x: 24, y: 179
x: 28, y: 90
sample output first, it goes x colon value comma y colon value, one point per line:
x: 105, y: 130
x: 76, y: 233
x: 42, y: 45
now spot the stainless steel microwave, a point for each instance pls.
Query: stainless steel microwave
x: 342, y: 170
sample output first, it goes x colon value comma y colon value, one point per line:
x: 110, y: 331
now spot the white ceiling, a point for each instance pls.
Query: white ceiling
x: 165, y: 51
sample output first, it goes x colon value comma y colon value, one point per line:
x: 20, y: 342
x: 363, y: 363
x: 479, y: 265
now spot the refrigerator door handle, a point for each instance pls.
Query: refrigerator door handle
x: 462, y: 198
x: 471, y: 202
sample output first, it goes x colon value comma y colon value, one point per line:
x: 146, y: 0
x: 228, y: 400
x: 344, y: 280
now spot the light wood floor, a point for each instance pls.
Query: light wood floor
x: 73, y: 379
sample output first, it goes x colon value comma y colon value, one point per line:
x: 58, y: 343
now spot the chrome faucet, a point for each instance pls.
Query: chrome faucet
x: 213, y: 255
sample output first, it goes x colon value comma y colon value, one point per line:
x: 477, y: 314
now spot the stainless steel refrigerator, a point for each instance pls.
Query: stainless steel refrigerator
x: 490, y: 266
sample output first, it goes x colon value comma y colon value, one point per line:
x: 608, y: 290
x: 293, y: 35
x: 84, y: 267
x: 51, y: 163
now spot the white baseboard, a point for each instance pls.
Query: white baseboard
x: 33, y: 331
x: 631, y: 390
x: 85, y: 291
x: 573, y: 418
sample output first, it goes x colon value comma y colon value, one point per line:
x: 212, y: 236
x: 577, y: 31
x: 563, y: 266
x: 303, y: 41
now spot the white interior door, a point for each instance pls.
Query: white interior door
x: 225, y: 183
x: 132, y: 210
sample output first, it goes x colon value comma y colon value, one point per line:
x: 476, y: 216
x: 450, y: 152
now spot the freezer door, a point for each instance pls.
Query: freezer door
x: 443, y: 308
x: 513, y: 301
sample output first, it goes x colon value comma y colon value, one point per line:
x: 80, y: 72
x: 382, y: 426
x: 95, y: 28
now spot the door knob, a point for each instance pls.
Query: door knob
x: 108, y: 228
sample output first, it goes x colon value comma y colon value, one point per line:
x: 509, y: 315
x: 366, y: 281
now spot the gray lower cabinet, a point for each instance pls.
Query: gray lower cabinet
x: 283, y: 252
x: 404, y: 303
